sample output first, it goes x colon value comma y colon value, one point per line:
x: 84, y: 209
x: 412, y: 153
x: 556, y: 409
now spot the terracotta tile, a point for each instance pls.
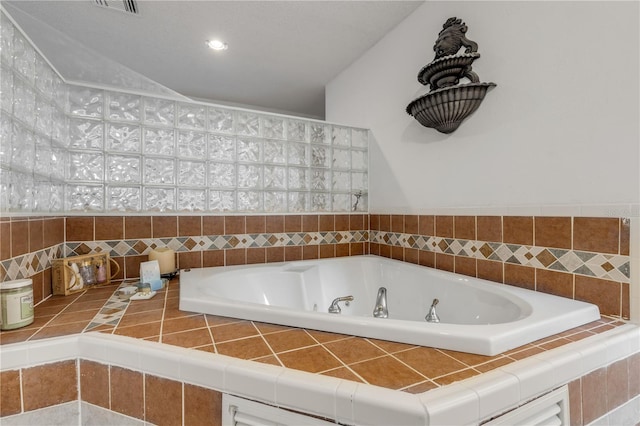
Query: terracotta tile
x: 556, y: 343
x: 201, y: 406
x: 552, y: 282
x: 266, y: 328
x: 385, y: 222
x: 234, y: 225
x: 357, y: 222
x: 275, y: 254
x: 310, y: 252
x: 445, y: 262
x: 54, y: 232
x: 341, y: 250
x: 326, y: 222
x: 397, y: 223
x: 235, y: 257
x: 391, y: 347
x: 468, y: 359
x: 233, y: 331
x: 618, y: 383
x: 525, y: 353
x: 292, y: 223
x: 626, y: 301
x: 190, y: 259
x: 465, y: 265
x: 19, y: 238
x: 456, y: 377
x: 310, y: 223
x: 341, y: 222
x: 625, y: 235
x: 575, y: 402
x: 517, y: 230
x: 256, y: 255
x: 212, y: 258
x: 579, y: 336
x: 427, y: 258
x: 79, y: 228
x: 356, y: 249
x: 464, y: 227
x: 137, y: 227
x: 374, y: 248
x: 127, y: 392
x: 36, y: 235
x: 21, y: 335
x: 292, y: 253
x: 109, y: 228
x: 444, y: 226
x: 594, y: 405
x: 59, y: 330
x: 10, y: 402
x: 140, y: 331
x: 182, y: 324
x: 215, y: 320
x: 384, y: 251
x: 397, y: 253
x: 343, y: 373
x: 5, y: 240
x: 289, y: 340
x: 553, y: 232
x: 255, y: 224
x: 604, y: 293
x: 519, y: 276
x: 429, y: 362
x: 490, y: 270
x: 634, y: 377
x: 312, y: 359
x: 132, y: 265
x: 412, y: 256
x: 145, y: 305
x: 163, y: 401
x: 353, y: 350
x: 489, y: 228
x: 189, y: 226
x: 274, y: 224
x: 387, y: 372
x: 492, y: 365
x: 49, y: 384
x: 188, y: 339
x: 164, y: 226
x: 601, y: 235
x: 325, y: 336
x: 411, y: 224
x: 249, y: 348
x: 269, y: 359
x: 94, y: 383
x: 421, y: 387
x: 71, y: 317
x: 212, y: 225
x: 141, y: 317
x: 374, y: 222
x: 427, y: 225
x: 37, y: 287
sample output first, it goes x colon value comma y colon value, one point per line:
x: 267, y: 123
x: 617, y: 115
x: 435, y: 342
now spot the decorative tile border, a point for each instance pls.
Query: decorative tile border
x: 606, y: 266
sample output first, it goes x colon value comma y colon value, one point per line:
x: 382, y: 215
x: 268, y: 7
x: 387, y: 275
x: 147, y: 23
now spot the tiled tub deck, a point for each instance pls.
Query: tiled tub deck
x: 392, y: 365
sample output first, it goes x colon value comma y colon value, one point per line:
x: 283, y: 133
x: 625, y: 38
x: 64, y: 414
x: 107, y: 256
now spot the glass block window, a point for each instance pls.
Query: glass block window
x: 69, y: 148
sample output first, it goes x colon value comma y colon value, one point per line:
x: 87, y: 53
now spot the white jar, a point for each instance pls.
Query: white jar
x: 16, y: 304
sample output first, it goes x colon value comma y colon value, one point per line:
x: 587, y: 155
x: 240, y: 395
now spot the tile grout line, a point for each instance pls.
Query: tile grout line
x: 268, y: 345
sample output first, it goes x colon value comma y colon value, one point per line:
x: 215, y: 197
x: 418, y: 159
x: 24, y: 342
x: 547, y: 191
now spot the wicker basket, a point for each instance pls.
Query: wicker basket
x: 72, y: 274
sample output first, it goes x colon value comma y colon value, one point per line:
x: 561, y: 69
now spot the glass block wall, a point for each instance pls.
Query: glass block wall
x: 70, y: 148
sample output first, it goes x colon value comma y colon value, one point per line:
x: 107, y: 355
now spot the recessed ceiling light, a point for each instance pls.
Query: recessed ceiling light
x: 217, y: 45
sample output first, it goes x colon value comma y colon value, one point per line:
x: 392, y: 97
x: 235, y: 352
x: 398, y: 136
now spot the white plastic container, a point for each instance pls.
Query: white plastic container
x: 16, y: 304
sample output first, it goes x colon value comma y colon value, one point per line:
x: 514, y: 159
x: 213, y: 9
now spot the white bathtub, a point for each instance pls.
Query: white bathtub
x: 476, y: 316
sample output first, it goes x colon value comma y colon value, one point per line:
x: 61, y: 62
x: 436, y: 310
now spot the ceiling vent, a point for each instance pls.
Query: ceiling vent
x: 127, y: 6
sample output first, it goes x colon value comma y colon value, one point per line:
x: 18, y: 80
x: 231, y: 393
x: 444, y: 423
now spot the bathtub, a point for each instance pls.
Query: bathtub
x: 476, y: 316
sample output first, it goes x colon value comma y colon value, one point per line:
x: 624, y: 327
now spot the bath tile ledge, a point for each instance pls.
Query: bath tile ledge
x: 466, y: 402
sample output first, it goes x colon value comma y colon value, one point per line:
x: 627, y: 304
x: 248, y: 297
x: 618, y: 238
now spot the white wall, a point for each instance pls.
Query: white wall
x: 560, y: 129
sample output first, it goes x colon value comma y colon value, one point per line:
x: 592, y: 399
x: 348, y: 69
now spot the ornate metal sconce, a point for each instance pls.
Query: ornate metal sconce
x: 448, y: 103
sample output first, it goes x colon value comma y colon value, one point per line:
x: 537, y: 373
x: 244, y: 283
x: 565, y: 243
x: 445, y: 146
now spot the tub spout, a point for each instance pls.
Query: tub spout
x: 432, y: 316
x: 335, y: 307
x: 380, y: 310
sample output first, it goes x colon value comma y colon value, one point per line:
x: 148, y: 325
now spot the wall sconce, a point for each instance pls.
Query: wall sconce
x: 448, y: 103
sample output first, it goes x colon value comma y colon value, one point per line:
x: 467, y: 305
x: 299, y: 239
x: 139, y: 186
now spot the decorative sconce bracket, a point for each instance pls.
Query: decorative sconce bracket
x: 448, y: 103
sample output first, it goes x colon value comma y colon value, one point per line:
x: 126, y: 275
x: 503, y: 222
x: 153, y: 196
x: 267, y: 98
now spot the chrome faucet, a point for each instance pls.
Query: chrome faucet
x: 335, y: 308
x: 432, y: 316
x: 380, y: 310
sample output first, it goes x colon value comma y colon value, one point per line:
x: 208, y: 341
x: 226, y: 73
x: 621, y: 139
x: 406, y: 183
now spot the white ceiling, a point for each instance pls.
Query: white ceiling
x: 281, y: 53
